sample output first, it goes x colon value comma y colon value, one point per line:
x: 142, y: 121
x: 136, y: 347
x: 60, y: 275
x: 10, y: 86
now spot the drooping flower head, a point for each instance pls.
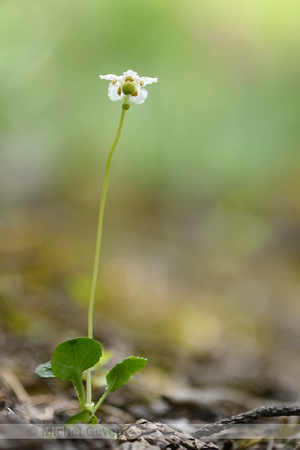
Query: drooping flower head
x: 130, y: 83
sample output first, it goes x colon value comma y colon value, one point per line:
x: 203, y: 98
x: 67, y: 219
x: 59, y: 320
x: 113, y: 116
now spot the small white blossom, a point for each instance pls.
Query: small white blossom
x: 130, y: 83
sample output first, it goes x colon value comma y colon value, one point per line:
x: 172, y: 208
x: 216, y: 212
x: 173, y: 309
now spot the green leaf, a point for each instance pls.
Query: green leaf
x: 87, y: 417
x: 71, y: 358
x: 122, y: 371
x: 83, y: 417
x: 44, y: 370
x: 94, y: 420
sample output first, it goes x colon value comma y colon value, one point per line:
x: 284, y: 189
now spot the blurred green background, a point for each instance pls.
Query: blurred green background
x: 201, y: 247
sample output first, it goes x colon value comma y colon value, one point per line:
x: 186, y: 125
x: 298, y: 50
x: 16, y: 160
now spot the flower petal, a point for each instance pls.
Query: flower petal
x: 113, y: 92
x: 129, y: 73
x: 140, y: 98
x: 148, y: 80
x: 109, y: 77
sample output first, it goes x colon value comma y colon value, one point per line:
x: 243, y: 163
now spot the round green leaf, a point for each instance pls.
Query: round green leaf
x: 122, y: 371
x: 72, y: 357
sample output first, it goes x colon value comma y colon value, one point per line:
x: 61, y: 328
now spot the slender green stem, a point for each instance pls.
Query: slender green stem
x: 81, y: 396
x: 101, y: 400
x: 98, y: 242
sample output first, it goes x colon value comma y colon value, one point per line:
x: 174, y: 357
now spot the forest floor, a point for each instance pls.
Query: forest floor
x: 221, y: 335
x: 150, y: 413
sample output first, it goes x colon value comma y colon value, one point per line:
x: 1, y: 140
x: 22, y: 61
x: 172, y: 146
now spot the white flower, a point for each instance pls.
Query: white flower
x: 128, y: 84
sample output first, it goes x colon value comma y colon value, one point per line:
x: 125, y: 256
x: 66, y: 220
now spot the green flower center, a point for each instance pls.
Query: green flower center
x: 128, y: 88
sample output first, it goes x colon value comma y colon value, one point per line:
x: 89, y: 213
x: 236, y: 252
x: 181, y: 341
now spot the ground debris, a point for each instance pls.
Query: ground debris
x: 140, y: 444
x: 158, y: 435
x: 141, y: 435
